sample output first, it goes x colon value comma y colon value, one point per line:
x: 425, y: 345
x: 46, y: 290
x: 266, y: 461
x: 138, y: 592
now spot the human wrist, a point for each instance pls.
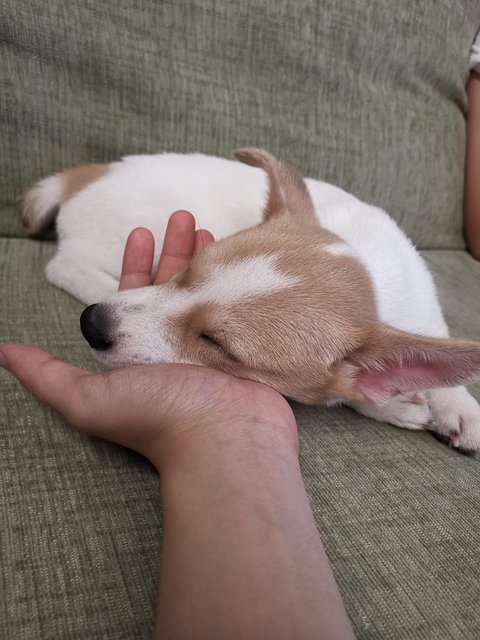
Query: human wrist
x: 227, y: 431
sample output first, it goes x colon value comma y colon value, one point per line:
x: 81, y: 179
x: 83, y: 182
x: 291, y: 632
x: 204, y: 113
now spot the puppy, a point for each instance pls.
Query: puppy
x: 307, y: 289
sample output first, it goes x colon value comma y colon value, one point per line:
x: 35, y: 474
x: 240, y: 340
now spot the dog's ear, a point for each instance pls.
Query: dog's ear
x: 287, y: 194
x: 392, y: 362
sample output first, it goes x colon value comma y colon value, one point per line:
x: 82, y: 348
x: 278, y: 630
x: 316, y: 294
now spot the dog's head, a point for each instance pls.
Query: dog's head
x: 286, y: 303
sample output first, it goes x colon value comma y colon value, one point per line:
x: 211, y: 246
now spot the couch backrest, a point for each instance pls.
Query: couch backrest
x: 366, y: 94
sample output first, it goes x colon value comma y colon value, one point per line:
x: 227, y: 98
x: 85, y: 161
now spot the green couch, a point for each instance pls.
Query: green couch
x: 368, y: 95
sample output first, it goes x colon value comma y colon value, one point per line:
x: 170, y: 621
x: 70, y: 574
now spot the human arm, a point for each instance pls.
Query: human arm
x: 241, y: 556
x: 472, y: 168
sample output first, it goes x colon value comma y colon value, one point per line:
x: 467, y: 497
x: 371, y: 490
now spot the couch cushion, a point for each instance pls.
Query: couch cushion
x: 367, y: 95
x: 399, y: 513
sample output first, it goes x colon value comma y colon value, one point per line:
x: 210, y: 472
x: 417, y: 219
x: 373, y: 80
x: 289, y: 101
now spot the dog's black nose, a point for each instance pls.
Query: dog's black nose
x: 94, y: 327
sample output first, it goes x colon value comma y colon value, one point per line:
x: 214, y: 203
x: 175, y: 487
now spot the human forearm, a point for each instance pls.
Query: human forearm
x: 241, y: 555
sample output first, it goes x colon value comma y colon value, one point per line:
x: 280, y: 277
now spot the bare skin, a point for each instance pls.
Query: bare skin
x: 241, y: 556
x: 472, y: 168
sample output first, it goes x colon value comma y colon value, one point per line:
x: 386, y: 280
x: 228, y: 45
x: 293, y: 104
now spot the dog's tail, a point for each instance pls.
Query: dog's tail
x: 39, y: 206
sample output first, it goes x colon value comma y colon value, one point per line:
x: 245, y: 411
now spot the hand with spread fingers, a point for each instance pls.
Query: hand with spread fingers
x: 241, y: 556
x: 180, y: 244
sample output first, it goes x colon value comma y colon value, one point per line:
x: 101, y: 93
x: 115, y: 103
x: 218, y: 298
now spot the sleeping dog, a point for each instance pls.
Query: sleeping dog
x: 307, y: 289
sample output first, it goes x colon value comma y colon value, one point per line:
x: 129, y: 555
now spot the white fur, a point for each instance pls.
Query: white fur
x: 341, y: 249
x: 239, y: 280
x: 47, y: 194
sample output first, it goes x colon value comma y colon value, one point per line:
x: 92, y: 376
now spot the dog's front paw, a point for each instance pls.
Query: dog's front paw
x: 455, y: 417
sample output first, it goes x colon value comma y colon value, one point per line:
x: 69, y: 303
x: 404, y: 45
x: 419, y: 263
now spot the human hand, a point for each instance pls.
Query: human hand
x: 149, y: 407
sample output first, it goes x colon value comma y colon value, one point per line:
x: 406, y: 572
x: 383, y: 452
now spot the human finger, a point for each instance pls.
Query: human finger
x: 51, y: 380
x: 178, y: 246
x: 105, y: 405
x: 137, y: 260
x: 202, y: 238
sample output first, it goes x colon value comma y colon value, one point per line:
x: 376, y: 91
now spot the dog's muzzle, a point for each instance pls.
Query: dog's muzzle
x: 94, y: 326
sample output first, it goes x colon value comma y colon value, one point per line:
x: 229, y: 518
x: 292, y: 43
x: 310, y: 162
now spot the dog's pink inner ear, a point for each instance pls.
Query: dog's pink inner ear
x: 395, y: 378
x: 394, y: 362
x: 287, y: 193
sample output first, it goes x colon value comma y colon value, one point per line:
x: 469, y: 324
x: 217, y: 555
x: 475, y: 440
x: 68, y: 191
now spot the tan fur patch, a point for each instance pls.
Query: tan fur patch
x: 77, y: 178
x: 289, y: 339
x: 39, y: 206
x: 287, y: 193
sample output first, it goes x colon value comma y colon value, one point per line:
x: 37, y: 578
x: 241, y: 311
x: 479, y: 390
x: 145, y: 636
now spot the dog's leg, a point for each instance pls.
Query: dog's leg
x: 456, y: 417
x: 407, y: 410
x: 79, y: 280
x: 450, y: 412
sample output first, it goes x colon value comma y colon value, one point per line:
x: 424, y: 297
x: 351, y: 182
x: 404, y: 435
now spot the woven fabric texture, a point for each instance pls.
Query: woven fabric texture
x: 366, y: 96
x: 398, y: 512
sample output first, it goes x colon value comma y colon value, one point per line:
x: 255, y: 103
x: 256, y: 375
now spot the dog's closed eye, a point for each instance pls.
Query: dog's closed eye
x: 214, y: 342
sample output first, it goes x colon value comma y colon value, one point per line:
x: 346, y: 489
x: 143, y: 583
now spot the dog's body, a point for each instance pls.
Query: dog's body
x: 334, y: 275
x: 227, y: 197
